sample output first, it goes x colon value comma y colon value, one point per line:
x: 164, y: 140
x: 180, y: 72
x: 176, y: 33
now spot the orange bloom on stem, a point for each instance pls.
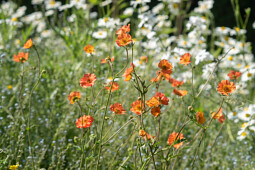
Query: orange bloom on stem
x: 143, y: 59
x: 84, y: 122
x: 118, y: 109
x: 156, y: 79
x: 148, y: 137
x: 21, y: 57
x: 200, y: 117
x: 74, y: 96
x: 142, y: 133
x: 175, y: 83
x: 155, y: 111
x: 165, y: 66
x: 136, y: 107
x: 89, y: 49
x: 28, y: 44
x: 180, y: 92
x: 218, y: 116
x: 226, y: 87
x: 123, y: 40
x: 162, y: 98
x: 127, y: 73
x: 173, y: 137
x: 153, y: 102
x: 123, y: 30
x: 88, y: 80
x: 108, y: 58
x: 234, y: 74
x: 115, y: 86
x: 185, y: 59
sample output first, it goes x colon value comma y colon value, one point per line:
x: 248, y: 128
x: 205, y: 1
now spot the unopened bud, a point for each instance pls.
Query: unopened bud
x: 190, y: 108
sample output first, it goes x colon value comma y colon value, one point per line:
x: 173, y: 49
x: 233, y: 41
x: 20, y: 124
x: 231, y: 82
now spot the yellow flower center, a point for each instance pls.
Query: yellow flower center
x: 230, y: 58
x: 14, y: 19
x: 175, y: 5
x: 106, y: 19
x: 249, y: 74
x: 247, y: 66
x: 9, y: 87
x: 52, y: 2
x: 237, y: 29
x: 226, y: 38
x: 244, y: 125
x: 100, y: 33
x: 222, y: 44
x: 247, y: 115
x: 243, y: 134
x: 234, y: 113
x: 200, y: 41
x: 223, y: 28
x: 245, y: 109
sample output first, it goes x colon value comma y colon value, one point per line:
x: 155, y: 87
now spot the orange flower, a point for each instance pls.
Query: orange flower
x: 108, y: 58
x: 123, y: 30
x: 127, y: 73
x: 162, y: 98
x: 123, y: 39
x: 136, y: 107
x: 218, y: 116
x: 157, y: 100
x: 234, y: 74
x: 74, y: 96
x: 180, y: 92
x: 185, y: 59
x: 21, y: 57
x: 88, y: 80
x: 118, y: 109
x: 221, y: 118
x: 153, y: 102
x: 89, y: 49
x: 115, y: 86
x: 143, y: 59
x: 176, y: 83
x: 84, y: 122
x: 173, y: 137
x: 142, y: 133
x: 28, y: 44
x: 165, y: 66
x: 226, y: 87
x: 200, y: 117
x: 155, y: 111
x: 156, y: 79
x: 149, y: 136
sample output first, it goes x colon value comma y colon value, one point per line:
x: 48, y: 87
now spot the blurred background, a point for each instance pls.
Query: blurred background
x: 222, y: 10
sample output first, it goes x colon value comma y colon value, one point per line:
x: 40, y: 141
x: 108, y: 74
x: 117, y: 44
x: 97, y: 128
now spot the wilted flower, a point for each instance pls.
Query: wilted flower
x: 200, y: 117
